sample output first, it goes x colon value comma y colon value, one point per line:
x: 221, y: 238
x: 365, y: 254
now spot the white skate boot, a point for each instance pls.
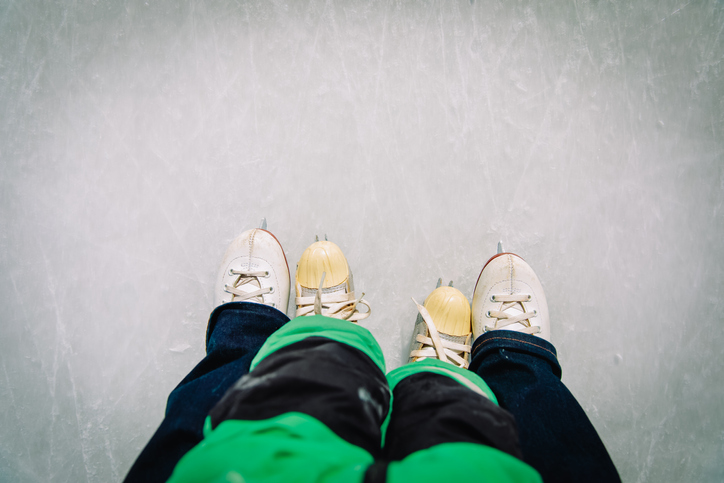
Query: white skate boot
x: 442, y: 330
x: 324, y: 284
x: 254, y: 269
x: 509, y: 296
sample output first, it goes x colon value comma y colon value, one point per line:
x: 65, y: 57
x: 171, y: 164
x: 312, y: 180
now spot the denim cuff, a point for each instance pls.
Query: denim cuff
x: 498, y: 341
x: 240, y: 313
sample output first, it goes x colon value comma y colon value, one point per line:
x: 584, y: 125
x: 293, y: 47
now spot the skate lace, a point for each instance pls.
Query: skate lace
x: 512, y: 311
x: 246, y: 286
x: 435, y: 346
x: 339, y: 305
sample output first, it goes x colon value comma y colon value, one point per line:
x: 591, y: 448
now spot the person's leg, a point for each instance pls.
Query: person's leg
x: 556, y: 436
x: 311, y: 409
x: 521, y: 367
x: 313, y: 406
x: 254, y: 278
x: 236, y: 332
x: 446, y: 423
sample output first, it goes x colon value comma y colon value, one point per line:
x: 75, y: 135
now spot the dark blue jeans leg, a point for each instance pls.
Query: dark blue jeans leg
x: 235, y: 333
x: 556, y: 437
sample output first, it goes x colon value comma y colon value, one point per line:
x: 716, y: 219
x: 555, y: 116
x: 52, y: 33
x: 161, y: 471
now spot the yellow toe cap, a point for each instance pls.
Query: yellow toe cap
x: 450, y: 310
x: 322, y: 257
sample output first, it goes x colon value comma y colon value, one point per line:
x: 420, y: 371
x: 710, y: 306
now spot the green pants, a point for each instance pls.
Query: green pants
x: 317, y: 407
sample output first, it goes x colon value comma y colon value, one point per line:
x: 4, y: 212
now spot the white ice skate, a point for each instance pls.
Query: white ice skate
x: 509, y: 296
x: 254, y: 269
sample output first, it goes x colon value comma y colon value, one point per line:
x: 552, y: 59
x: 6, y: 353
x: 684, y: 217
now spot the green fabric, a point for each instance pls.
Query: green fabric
x: 318, y: 325
x: 291, y: 447
x: 342, y: 331
x: 297, y: 447
x: 461, y: 462
x: 463, y: 376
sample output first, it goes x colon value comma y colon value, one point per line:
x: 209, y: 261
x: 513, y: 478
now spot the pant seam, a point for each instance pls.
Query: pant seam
x: 520, y: 341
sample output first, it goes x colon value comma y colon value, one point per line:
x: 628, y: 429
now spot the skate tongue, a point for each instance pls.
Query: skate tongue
x: 457, y: 339
x: 311, y: 292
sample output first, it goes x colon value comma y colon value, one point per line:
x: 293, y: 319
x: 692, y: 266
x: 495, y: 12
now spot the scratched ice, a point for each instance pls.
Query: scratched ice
x: 137, y: 139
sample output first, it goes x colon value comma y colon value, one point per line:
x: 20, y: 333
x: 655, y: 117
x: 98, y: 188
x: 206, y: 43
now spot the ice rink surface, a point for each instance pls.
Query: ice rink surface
x: 137, y: 139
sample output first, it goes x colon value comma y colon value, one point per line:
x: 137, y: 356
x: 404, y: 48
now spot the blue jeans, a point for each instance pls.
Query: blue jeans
x: 235, y: 333
x: 555, y: 435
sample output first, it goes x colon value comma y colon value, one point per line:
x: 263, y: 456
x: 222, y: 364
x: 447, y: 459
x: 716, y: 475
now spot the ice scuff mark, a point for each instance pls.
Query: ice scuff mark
x: 60, y: 356
x: 180, y: 348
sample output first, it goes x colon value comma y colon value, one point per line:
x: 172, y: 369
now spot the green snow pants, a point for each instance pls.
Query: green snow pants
x: 317, y: 406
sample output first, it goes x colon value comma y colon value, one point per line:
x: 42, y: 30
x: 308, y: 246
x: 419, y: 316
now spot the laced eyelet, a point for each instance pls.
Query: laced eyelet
x: 492, y: 298
x: 266, y: 274
x: 230, y: 272
x: 271, y: 289
x: 487, y: 314
x: 530, y: 298
x: 535, y: 313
